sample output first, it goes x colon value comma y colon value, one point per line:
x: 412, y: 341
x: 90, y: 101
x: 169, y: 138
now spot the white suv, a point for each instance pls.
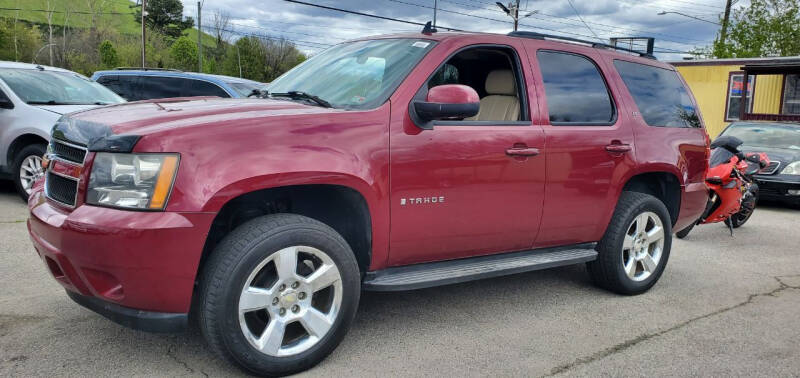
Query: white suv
x: 32, y: 98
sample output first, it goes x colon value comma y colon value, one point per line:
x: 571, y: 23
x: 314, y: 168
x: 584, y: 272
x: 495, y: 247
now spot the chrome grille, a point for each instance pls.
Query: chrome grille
x: 68, y: 152
x: 61, y: 189
x: 771, y: 168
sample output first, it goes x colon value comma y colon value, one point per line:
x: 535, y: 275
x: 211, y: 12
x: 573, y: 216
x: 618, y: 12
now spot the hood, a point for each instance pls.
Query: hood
x: 64, y: 109
x: 119, y: 127
x: 783, y: 155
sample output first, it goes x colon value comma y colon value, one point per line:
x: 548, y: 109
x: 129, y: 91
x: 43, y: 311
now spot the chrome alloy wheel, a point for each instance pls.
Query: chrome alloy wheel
x: 30, y: 171
x: 643, y: 246
x: 290, y: 301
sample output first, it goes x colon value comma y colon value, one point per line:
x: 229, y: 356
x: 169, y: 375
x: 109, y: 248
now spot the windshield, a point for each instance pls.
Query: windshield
x: 355, y: 75
x: 245, y: 89
x: 767, y: 135
x: 42, y: 87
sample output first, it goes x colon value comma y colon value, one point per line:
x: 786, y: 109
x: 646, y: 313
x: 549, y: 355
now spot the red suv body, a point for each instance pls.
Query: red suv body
x: 403, y: 193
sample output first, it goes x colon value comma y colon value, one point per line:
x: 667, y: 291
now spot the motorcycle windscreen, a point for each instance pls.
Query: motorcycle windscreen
x: 720, y: 156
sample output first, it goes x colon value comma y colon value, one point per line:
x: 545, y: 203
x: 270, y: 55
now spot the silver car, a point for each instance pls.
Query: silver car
x: 32, y: 98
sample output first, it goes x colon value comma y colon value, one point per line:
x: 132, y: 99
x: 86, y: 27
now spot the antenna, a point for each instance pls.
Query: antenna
x: 428, y: 29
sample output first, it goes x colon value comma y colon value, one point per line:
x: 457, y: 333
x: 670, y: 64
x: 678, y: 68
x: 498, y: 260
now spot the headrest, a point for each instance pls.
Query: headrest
x: 501, y: 82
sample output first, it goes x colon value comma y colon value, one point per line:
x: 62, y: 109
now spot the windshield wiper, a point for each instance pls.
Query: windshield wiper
x: 304, y: 96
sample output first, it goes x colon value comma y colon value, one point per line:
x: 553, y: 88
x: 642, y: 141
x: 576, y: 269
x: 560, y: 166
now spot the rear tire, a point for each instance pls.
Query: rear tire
x: 27, y: 168
x: 635, y: 248
x: 271, y: 313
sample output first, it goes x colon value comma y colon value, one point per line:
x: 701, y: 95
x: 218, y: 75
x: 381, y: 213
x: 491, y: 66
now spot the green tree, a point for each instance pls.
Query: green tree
x: 184, y: 54
x: 108, y: 55
x: 764, y: 28
x: 166, y: 16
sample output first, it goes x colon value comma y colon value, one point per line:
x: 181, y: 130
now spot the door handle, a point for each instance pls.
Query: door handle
x: 522, y: 151
x: 618, y: 148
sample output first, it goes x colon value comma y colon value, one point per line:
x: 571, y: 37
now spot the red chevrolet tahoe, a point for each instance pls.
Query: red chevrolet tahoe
x: 391, y: 163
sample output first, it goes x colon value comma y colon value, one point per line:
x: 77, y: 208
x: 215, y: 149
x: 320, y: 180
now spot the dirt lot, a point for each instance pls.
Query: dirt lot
x: 726, y: 306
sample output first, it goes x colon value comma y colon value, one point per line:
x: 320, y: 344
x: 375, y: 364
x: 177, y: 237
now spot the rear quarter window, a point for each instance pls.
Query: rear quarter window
x: 659, y: 94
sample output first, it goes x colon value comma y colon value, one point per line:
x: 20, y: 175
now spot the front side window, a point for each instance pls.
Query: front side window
x: 791, y: 95
x: 355, y: 75
x: 204, y: 88
x: 123, y: 85
x: 659, y: 94
x: 43, y: 87
x: 156, y: 87
x: 735, y: 91
x: 575, y: 90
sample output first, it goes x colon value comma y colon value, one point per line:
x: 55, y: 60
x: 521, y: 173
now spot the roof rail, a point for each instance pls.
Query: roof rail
x: 597, y: 45
x: 145, y: 69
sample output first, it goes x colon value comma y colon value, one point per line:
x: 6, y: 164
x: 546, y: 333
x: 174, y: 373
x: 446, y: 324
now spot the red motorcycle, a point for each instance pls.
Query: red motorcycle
x: 732, y: 190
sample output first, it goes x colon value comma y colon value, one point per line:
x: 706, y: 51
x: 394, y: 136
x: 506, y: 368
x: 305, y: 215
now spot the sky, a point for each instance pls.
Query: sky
x: 314, y: 29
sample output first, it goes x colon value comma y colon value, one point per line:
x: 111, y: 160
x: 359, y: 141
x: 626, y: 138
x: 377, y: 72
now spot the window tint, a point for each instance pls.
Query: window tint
x: 204, y: 88
x: 153, y: 87
x: 791, y: 95
x: 575, y: 90
x: 735, y: 89
x: 659, y: 94
x: 125, y: 86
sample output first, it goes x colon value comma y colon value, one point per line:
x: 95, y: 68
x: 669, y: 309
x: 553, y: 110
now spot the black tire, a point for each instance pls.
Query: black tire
x: 738, y: 219
x: 685, y: 232
x: 607, y: 271
x: 24, y: 153
x: 230, y: 265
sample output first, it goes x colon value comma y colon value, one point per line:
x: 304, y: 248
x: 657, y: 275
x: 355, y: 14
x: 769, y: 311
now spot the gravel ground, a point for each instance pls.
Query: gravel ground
x: 726, y: 306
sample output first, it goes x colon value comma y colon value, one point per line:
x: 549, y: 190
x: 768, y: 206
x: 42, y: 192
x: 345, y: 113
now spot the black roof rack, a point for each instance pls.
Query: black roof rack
x: 145, y: 69
x: 598, y: 45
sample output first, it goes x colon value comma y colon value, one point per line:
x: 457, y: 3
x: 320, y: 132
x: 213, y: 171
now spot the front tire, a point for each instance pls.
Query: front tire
x: 27, y: 168
x: 635, y: 248
x: 278, y: 294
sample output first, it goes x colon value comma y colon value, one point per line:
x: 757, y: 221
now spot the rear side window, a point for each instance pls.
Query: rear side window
x: 154, y: 87
x: 124, y: 86
x: 659, y: 94
x: 575, y: 90
x: 204, y: 88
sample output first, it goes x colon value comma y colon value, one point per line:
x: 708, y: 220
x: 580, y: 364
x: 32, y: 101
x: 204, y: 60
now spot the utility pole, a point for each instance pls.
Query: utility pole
x: 513, y: 10
x: 144, y: 40
x: 199, y: 37
x: 435, y: 8
x: 723, y: 34
x: 239, y: 58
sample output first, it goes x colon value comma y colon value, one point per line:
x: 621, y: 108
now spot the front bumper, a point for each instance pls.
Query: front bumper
x: 148, y: 321
x: 777, y: 187
x: 121, y: 262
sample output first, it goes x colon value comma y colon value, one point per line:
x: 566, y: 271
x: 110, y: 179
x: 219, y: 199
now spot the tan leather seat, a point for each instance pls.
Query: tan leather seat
x: 501, y: 103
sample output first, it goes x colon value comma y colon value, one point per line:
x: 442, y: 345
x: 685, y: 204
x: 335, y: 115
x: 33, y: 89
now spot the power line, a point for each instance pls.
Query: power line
x: 581, y: 18
x: 367, y: 14
x: 62, y: 12
x: 612, y: 28
x: 311, y: 44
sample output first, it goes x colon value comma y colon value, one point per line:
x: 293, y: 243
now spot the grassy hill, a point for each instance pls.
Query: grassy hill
x: 124, y: 23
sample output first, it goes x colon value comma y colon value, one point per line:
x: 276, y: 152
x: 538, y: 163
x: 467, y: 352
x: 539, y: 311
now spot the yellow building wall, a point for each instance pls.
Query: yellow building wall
x: 709, y: 84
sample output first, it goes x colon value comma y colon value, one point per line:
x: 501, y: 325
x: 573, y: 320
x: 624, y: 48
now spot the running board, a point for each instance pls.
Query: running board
x: 438, y: 273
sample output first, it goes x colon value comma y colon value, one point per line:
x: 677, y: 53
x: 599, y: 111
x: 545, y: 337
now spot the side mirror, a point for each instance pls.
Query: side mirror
x: 5, y: 102
x: 449, y: 101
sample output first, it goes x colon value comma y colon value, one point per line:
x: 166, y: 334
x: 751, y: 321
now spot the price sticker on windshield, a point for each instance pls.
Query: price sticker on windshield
x: 421, y: 44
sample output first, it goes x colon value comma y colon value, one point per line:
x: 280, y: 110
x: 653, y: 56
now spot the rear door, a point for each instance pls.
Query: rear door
x: 588, y: 138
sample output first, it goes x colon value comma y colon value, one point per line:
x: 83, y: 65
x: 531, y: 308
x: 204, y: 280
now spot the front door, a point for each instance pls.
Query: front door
x: 469, y: 187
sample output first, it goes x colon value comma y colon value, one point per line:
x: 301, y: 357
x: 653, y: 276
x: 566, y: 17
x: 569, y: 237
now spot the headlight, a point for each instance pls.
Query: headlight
x: 792, y: 169
x: 132, y: 181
